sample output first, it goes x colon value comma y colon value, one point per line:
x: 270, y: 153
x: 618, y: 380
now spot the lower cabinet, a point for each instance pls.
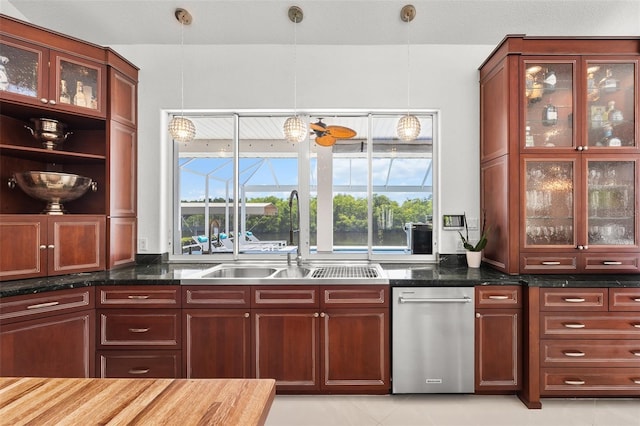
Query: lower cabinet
x: 48, y: 335
x: 41, y: 245
x: 498, y: 365
x: 139, y: 331
x: 309, y: 338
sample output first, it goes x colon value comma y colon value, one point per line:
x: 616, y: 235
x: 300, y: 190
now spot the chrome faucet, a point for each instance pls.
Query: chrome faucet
x: 294, y: 193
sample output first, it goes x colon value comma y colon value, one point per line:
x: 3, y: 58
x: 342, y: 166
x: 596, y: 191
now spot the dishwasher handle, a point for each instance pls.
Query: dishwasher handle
x: 464, y: 299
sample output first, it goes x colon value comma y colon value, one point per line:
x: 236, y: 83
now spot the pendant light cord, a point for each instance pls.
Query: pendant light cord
x: 182, y: 69
x: 408, y: 68
x: 295, y: 66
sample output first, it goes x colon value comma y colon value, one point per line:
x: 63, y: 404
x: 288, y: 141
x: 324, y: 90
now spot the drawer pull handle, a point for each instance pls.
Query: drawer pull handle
x: 637, y: 325
x: 612, y: 262
x: 139, y: 330
x: 138, y: 296
x: 573, y: 299
x: 636, y: 353
x: 574, y: 382
x: 574, y: 354
x: 574, y: 325
x: 550, y: 262
x: 498, y: 297
x: 139, y: 370
x: 43, y: 305
x: 636, y: 299
x: 636, y: 381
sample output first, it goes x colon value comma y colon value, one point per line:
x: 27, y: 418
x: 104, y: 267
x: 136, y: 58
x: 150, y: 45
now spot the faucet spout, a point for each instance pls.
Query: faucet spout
x: 292, y: 230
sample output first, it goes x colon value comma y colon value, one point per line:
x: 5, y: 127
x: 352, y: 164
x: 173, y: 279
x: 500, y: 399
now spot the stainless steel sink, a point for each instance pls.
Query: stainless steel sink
x: 240, y: 272
x: 274, y: 273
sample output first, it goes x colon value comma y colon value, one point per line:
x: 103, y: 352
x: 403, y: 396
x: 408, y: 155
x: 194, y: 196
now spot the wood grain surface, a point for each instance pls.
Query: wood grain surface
x: 53, y: 401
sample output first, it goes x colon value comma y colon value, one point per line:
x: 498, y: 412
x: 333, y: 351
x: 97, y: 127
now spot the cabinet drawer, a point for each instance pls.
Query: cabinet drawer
x: 138, y: 296
x: 148, y: 328
x: 357, y: 295
x: 18, y: 308
x: 586, y: 325
x: 590, y: 353
x: 138, y: 364
x: 509, y: 296
x: 574, y: 299
x: 285, y: 296
x: 216, y: 296
x: 595, y: 381
x: 559, y: 264
x: 624, y: 299
x: 617, y: 263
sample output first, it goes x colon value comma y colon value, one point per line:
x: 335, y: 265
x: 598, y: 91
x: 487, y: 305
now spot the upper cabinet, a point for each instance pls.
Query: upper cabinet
x: 68, y: 116
x: 560, y: 161
x: 45, y: 77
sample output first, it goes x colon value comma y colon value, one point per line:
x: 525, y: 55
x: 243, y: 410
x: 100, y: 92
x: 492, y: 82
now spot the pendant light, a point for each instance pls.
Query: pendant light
x: 294, y: 128
x: 408, y: 127
x: 182, y: 129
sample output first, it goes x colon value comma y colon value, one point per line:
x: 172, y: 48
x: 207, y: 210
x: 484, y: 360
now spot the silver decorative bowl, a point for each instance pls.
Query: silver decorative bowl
x: 49, y: 132
x: 53, y: 187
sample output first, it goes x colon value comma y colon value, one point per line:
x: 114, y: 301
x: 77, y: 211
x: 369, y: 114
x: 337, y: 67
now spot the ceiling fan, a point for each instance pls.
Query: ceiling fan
x: 327, y: 135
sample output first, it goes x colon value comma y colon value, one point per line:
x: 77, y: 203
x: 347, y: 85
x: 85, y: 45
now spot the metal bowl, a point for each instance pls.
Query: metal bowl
x: 50, y: 132
x: 53, y: 187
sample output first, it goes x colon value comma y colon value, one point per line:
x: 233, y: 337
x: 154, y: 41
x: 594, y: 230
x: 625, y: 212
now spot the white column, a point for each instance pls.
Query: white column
x: 325, y: 200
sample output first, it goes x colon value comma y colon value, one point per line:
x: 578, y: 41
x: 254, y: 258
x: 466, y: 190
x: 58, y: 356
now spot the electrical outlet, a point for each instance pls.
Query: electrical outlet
x: 142, y: 244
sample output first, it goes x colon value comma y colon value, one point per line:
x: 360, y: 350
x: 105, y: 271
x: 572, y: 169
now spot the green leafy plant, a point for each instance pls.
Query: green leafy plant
x: 482, y: 242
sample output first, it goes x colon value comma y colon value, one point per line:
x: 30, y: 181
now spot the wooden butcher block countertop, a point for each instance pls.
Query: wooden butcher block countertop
x: 183, y: 402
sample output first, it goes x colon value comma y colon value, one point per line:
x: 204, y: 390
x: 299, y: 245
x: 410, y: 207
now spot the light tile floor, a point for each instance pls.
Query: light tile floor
x: 449, y: 410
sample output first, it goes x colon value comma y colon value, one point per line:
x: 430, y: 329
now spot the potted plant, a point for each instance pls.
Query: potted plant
x: 474, y: 251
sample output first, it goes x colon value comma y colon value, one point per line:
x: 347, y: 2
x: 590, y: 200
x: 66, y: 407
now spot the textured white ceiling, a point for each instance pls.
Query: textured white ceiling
x: 357, y: 22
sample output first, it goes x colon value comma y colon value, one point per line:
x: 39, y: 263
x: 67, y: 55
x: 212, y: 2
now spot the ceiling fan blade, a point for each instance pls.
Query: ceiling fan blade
x: 318, y: 127
x: 340, y: 132
x: 326, y: 140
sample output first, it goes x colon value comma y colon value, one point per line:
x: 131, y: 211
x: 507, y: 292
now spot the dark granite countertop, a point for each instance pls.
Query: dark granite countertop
x: 453, y: 272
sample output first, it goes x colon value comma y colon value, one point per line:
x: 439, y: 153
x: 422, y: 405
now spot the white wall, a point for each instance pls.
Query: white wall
x: 443, y: 77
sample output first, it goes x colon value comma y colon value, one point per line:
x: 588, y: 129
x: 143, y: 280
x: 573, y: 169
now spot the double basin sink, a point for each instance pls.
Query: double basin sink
x: 289, y: 274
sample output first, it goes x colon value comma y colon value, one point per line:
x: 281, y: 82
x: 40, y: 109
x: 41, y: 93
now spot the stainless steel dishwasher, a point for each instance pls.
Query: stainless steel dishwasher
x: 432, y: 340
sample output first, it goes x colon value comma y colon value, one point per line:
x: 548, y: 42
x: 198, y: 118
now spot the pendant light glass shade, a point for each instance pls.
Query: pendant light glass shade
x: 182, y: 129
x: 408, y: 127
x: 295, y: 129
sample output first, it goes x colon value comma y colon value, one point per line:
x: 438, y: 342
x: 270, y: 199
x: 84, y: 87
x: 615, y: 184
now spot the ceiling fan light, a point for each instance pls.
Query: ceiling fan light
x: 182, y: 129
x: 408, y: 127
x: 295, y: 129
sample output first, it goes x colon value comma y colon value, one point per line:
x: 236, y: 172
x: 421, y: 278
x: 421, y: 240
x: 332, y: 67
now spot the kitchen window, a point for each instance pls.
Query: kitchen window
x: 370, y: 196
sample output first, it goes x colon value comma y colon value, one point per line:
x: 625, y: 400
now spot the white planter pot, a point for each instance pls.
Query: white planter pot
x: 474, y: 258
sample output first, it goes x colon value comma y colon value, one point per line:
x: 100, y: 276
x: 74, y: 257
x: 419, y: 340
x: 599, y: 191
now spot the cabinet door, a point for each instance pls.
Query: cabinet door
x: 122, y: 170
x: 611, y: 211
x: 498, y: 349
x: 217, y: 343
x: 122, y: 241
x: 611, y: 102
x: 549, y: 99
x: 56, y: 346
x: 23, y: 72
x: 23, y: 244
x: 76, y: 244
x: 355, y: 350
x: 549, y: 213
x: 285, y: 348
x: 77, y: 85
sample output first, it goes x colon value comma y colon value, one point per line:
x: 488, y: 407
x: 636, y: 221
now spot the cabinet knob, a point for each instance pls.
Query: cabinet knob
x: 44, y: 100
x: 583, y: 247
x: 322, y: 315
x: 478, y: 315
x: 585, y: 148
x: 316, y: 315
x: 51, y: 246
x: 578, y: 148
x: 246, y: 314
x: 43, y: 246
x: 52, y: 102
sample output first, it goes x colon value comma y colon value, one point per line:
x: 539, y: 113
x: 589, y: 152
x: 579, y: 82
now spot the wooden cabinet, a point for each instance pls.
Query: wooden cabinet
x: 101, y: 128
x: 51, y: 78
x: 327, y: 339
x: 498, y: 334
x: 41, y: 245
x: 139, y: 331
x: 588, y: 343
x: 217, y: 331
x: 48, y: 335
x: 559, y: 155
